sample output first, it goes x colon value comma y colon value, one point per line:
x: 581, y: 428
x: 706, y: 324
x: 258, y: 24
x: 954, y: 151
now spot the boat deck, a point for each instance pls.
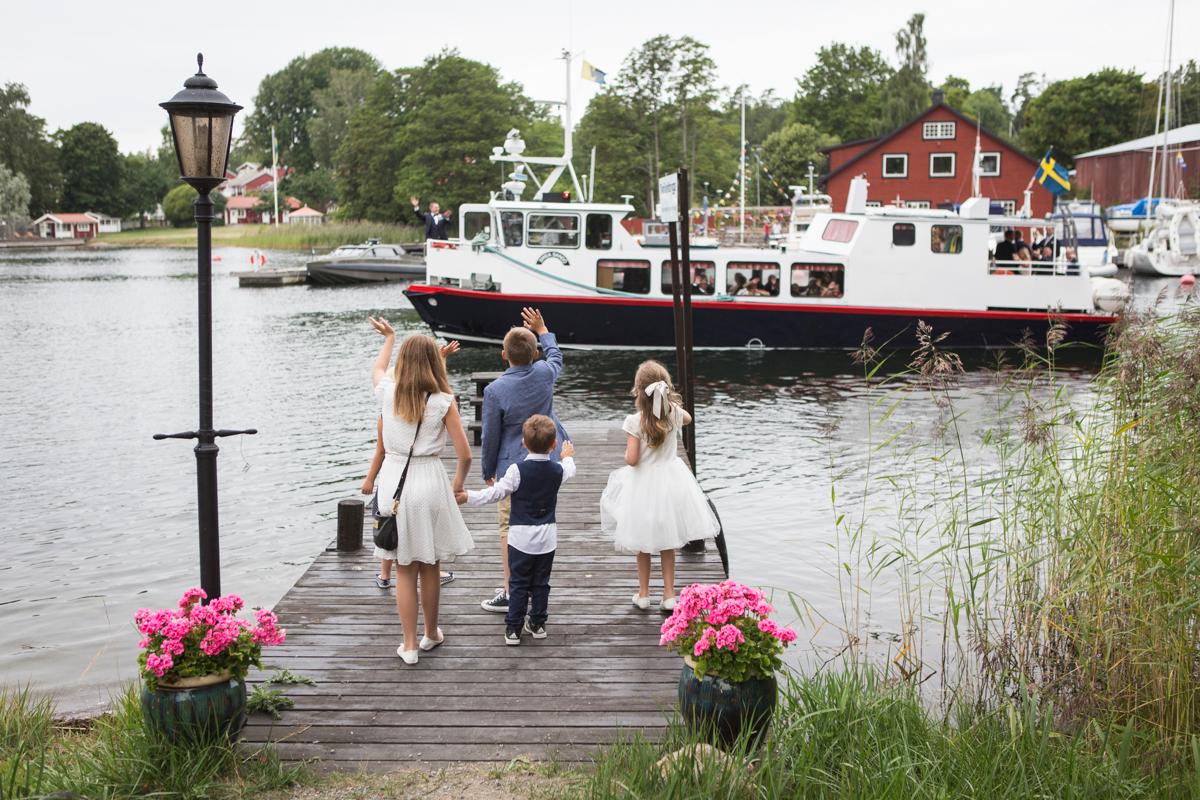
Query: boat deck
x: 599, y: 675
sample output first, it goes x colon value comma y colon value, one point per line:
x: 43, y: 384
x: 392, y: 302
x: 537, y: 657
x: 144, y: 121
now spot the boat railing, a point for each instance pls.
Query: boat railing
x: 1018, y: 267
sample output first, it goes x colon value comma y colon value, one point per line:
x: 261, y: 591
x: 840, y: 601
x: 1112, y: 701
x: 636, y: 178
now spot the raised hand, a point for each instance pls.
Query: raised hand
x: 416, y: 201
x: 382, y: 327
x: 450, y: 348
x: 532, y: 318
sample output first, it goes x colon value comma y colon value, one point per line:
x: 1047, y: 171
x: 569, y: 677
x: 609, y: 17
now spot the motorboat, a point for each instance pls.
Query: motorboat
x: 1172, y: 245
x: 370, y: 262
x: 1080, y: 226
x: 1129, y: 218
x: 877, y: 270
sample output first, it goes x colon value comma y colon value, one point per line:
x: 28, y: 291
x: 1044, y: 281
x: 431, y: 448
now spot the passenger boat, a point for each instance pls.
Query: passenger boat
x: 882, y: 269
x: 369, y: 262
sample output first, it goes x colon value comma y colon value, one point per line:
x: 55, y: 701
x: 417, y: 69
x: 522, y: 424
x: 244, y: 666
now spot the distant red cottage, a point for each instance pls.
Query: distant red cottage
x: 66, y: 226
x: 926, y: 163
x: 251, y: 209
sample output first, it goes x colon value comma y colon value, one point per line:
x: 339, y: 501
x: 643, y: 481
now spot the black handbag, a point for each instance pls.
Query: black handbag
x: 385, y: 535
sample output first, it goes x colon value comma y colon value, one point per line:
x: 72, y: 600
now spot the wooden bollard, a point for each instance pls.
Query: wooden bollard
x: 350, y: 525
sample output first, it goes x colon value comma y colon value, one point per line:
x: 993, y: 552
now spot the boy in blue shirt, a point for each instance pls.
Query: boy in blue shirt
x: 532, y: 484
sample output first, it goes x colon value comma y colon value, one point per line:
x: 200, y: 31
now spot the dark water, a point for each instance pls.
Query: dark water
x: 97, y: 353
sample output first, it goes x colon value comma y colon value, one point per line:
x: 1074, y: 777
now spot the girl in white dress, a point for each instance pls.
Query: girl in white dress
x: 429, y: 525
x: 654, y: 504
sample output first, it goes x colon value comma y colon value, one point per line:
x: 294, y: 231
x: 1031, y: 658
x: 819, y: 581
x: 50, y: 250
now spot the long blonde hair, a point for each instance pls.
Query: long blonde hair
x: 654, y: 429
x: 419, y: 371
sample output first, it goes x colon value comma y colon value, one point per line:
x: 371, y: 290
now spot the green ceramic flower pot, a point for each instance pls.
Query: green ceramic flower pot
x: 204, y: 712
x: 714, y: 707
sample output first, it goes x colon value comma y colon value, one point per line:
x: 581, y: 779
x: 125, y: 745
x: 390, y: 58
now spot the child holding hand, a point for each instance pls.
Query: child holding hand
x: 654, y: 504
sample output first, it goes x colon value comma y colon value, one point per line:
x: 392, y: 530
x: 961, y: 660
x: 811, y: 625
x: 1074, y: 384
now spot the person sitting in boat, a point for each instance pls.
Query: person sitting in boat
x: 435, y: 221
x: 700, y: 284
x: 832, y: 289
x: 739, y: 285
x: 1004, y: 249
x: 754, y: 287
x: 772, y: 286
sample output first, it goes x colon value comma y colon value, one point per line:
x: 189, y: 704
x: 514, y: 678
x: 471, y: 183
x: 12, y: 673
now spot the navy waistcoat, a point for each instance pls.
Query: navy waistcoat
x: 534, y: 501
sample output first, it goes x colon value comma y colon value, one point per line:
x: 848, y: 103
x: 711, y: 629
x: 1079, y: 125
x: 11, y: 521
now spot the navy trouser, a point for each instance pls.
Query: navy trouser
x: 528, y: 587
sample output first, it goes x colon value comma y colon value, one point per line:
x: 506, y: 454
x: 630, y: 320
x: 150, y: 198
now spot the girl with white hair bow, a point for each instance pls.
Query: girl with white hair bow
x: 653, y: 504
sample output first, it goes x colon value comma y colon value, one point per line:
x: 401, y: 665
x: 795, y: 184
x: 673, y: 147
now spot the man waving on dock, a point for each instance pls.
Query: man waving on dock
x: 435, y: 221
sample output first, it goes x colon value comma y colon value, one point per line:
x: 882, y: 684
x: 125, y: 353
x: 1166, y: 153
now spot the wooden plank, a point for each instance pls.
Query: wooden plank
x: 599, y: 675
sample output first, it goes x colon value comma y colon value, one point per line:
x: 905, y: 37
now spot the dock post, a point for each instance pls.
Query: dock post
x: 349, y: 525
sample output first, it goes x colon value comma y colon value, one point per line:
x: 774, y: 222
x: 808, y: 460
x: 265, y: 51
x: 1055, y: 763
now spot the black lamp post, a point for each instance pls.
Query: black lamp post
x: 202, y: 127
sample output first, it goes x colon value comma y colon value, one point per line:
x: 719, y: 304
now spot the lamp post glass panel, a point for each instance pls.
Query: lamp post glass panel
x: 202, y: 127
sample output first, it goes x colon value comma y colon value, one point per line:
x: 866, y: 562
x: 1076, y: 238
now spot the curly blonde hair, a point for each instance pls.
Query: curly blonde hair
x: 419, y: 371
x: 654, y: 429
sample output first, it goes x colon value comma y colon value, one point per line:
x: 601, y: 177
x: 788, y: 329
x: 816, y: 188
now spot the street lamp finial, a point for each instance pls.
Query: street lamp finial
x: 199, y: 63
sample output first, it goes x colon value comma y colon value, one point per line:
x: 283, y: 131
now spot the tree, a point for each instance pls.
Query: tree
x: 956, y: 90
x: 145, y: 181
x: 621, y: 167
x: 842, y: 94
x: 286, y: 100
x: 643, y: 83
x: 693, y: 92
x: 787, y: 152
x: 14, y: 201
x: 368, y: 157
x: 987, y: 106
x: 907, y: 91
x: 1081, y: 114
x: 91, y: 168
x: 316, y: 188
x: 1028, y: 86
x: 178, y: 205
x: 27, y: 150
x: 333, y: 106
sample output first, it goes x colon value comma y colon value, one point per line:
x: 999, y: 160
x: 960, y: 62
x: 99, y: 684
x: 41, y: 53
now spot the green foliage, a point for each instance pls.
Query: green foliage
x: 266, y: 700
x: 1082, y: 114
x: 145, y: 181
x: 91, y: 168
x: 1186, y: 97
x: 333, y: 106
x: 117, y: 756
x: 788, y: 152
x: 14, y: 196
x: 289, y: 99
x: 177, y: 205
x: 286, y: 676
x: 956, y: 91
x: 906, y: 92
x: 987, y: 106
x: 317, y: 187
x: 368, y: 156
x: 842, y: 94
x: 27, y: 150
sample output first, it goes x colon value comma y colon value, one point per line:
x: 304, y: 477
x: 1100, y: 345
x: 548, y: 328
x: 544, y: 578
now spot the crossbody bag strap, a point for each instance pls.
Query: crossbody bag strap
x: 412, y: 447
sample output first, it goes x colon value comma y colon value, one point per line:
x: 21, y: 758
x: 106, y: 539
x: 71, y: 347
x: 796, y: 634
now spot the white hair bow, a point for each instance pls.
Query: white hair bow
x: 657, y: 390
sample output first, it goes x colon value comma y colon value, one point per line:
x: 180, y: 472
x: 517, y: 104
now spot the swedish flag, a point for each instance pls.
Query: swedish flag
x: 590, y: 73
x: 1051, y: 175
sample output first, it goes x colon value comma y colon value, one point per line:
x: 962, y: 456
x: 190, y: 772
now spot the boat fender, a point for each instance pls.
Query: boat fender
x: 1187, y: 281
x: 1109, y: 294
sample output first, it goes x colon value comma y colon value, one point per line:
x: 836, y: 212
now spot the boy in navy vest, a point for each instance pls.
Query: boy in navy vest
x: 533, y: 485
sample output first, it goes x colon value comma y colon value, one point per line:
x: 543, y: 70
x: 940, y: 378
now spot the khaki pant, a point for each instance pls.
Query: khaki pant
x: 503, y: 508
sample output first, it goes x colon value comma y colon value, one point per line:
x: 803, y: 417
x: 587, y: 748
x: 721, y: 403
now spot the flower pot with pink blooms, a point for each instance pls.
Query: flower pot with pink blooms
x: 194, y: 662
x: 731, y: 650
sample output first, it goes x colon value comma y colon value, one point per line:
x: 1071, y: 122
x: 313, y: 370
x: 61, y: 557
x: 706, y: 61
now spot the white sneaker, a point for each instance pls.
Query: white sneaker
x: 641, y: 602
x: 428, y: 644
x: 667, y: 604
x: 407, y: 656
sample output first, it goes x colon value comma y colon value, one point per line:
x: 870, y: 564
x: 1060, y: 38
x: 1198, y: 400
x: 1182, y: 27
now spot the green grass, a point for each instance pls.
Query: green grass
x: 268, y: 237
x: 115, y: 756
x: 849, y: 735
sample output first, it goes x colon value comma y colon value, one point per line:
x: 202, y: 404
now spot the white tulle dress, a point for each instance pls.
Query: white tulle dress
x: 656, y: 505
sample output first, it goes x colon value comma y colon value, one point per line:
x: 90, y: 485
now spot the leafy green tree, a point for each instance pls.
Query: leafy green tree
x: 1028, y: 87
x: 621, y: 167
x: 987, y: 106
x: 316, y: 188
x: 692, y: 93
x: 643, y: 83
x: 1081, y: 114
x: 788, y: 152
x: 178, y: 205
x: 287, y: 99
x: 145, y: 181
x: 842, y: 94
x: 369, y: 156
x: 91, y: 168
x: 956, y: 91
x: 27, y: 150
x: 14, y: 201
x: 907, y: 91
x: 333, y: 106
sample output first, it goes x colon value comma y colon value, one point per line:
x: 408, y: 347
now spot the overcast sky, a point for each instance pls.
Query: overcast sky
x: 113, y: 63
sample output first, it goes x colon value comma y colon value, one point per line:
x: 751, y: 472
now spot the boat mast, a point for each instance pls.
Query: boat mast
x: 742, y: 174
x: 1166, y: 164
x: 976, y: 167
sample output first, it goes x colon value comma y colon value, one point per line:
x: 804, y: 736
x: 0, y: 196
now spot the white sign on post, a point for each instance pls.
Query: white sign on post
x: 668, y: 197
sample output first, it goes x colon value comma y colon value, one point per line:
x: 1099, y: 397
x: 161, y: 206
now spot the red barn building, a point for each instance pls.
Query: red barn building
x: 926, y: 163
x: 1121, y: 173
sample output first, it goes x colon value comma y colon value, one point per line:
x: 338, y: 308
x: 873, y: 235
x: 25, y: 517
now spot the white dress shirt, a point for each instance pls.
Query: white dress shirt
x: 531, y: 539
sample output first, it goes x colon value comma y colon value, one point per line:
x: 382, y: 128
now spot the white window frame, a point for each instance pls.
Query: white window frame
x: 953, y: 165
x: 565, y: 232
x: 941, y: 129
x: 1009, y: 206
x: 917, y: 204
x: 984, y: 155
x: 874, y: 204
x: 883, y: 165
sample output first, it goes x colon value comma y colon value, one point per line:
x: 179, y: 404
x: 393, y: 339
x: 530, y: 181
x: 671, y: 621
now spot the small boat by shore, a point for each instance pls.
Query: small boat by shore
x: 370, y: 262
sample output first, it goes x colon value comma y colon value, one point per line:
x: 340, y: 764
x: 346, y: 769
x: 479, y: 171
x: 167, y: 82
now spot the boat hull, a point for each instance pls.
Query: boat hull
x: 344, y: 273
x: 599, y: 322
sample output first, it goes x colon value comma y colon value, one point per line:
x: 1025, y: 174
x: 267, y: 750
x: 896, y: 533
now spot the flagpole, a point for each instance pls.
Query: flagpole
x: 742, y: 175
x: 275, y: 174
x: 1166, y: 165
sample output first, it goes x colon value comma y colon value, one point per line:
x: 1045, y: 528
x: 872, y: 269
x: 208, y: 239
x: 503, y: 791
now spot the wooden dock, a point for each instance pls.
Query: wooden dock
x: 271, y: 277
x: 598, y: 676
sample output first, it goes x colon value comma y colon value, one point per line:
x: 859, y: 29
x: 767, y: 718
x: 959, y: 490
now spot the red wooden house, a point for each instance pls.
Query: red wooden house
x: 926, y: 163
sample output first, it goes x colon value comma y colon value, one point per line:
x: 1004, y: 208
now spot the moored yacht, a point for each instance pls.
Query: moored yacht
x: 370, y: 262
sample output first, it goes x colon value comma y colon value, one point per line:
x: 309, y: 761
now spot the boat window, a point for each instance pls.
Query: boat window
x: 513, y: 224
x: 752, y: 278
x: 839, y: 230
x: 623, y: 275
x: 553, y: 230
x: 598, y: 235
x: 818, y: 280
x: 904, y: 234
x: 703, y: 278
x: 945, y: 238
x: 475, y: 223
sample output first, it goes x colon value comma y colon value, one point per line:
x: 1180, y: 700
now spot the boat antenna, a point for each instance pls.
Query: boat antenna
x: 977, y: 166
x: 1167, y: 100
